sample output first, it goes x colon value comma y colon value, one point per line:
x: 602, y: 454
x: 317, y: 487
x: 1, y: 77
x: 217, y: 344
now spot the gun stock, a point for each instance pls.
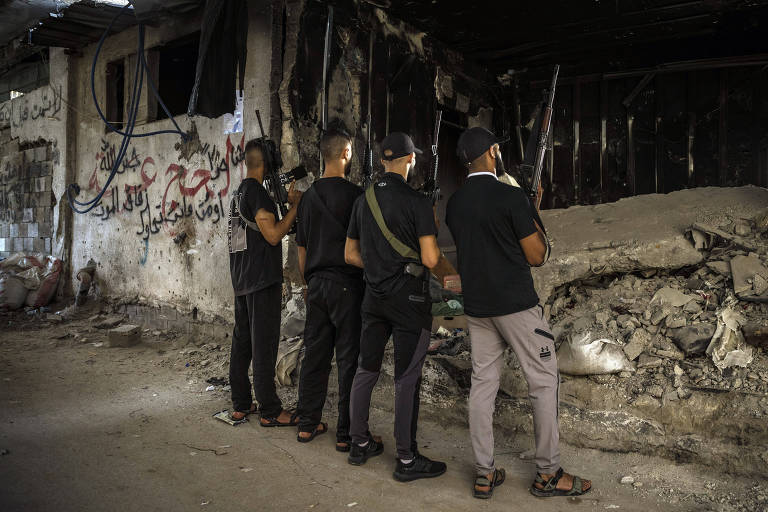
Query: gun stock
x: 542, y: 141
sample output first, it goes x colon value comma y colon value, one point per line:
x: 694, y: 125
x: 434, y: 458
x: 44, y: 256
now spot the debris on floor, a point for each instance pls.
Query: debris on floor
x: 28, y: 279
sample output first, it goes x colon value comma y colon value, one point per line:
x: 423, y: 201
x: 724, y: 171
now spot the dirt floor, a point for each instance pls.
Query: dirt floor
x: 84, y: 427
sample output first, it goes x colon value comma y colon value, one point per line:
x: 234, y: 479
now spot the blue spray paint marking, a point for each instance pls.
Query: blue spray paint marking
x: 143, y: 259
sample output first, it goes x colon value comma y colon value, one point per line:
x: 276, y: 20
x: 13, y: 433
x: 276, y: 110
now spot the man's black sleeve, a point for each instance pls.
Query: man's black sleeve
x: 353, y: 231
x: 520, y: 214
x: 425, y: 218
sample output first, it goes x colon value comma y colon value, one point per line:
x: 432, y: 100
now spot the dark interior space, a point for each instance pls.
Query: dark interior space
x: 176, y: 75
x: 25, y: 75
x: 116, y: 93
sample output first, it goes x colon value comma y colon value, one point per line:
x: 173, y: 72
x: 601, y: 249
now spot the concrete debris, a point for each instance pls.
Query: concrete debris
x: 585, y: 356
x: 638, y: 343
x: 126, y: 335
x: 672, y: 297
x: 750, y: 278
x: 108, y: 322
x: 728, y: 347
x: 693, y: 339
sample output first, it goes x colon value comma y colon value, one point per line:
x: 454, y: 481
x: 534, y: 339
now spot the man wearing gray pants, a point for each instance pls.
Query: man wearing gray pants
x: 498, y: 237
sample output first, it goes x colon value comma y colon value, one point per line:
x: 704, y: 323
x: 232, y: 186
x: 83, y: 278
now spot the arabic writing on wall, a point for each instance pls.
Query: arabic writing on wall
x: 138, y: 189
x: 32, y: 107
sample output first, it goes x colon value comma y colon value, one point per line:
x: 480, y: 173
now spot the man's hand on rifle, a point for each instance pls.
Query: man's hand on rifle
x: 294, y: 196
x: 539, y: 195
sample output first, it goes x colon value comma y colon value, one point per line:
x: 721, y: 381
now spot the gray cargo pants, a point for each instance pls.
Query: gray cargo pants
x: 528, y: 334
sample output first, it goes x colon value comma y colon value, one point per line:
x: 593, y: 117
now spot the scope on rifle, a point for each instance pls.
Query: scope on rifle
x: 294, y: 174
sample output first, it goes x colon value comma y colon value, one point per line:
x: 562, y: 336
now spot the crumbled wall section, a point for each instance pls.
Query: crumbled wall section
x: 26, y: 200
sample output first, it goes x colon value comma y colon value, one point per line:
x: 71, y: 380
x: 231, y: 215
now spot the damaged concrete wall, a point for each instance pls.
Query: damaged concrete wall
x: 160, y: 232
x: 33, y: 138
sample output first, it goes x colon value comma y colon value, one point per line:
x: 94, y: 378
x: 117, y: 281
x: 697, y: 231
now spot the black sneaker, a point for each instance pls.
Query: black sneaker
x: 359, y: 455
x: 420, y: 467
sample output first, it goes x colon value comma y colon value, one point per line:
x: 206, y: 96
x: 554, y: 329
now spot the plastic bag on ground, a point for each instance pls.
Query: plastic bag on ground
x: 581, y: 355
x: 12, y: 292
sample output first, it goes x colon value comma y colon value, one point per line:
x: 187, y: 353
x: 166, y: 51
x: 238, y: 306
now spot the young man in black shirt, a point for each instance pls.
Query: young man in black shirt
x: 497, y: 240
x: 396, y: 302
x: 255, y: 263
x: 335, y: 291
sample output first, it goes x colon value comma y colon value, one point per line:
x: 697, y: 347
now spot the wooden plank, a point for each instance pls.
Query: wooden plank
x: 722, y: 140
x: 576, y: 127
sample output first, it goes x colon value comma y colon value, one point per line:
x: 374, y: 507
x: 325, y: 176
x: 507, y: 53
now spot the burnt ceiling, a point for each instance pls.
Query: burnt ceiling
x: 589, y: 35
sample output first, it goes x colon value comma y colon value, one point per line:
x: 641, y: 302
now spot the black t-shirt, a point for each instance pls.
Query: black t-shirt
x: 487, y: 218
x: 254, y: 264
x: 408, y: 215
x: 322, y: 229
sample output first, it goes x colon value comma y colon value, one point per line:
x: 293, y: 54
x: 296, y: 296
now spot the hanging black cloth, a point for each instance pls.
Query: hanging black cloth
x: 220, y: 59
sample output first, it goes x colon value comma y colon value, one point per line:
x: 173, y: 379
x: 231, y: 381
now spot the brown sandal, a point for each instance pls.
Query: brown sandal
x: 549, y: 487
x: 273, y: 422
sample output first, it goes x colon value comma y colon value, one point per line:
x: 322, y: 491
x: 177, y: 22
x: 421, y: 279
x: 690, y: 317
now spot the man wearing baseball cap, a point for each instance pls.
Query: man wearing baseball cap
x: 392, y: 235
x: 498, y: 237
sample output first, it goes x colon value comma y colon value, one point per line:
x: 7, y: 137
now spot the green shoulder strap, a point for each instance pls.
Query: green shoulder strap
x: 402, y: 249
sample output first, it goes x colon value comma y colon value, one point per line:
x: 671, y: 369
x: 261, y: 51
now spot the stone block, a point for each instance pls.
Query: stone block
x: 41, y: 154
x: 126, y: 335
x: 638, y: 343
x: 5, y: 230
x: 21, y: 230
x: 13, y: 230
x: 32, y: 229
x: 110, y: 322
x: 18, y: 245
x: 45, y: 230
x: 693, y: 339
x: 28, y: 215
x: 46, y: 169
x: 29, y: 244
x: 34, y: 169
x: 29, y: 155
x: 47, y: 246
x: 5, y: 244
x: 44, y: 214
x: 38, y: 244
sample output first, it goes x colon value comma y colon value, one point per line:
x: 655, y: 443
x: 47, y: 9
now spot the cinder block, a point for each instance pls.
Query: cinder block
x: 28, y: 215
x: 29, y: 244
x: 46, y: 169
x: 29, y: 155
x: 33, y: 169
x: 47, y: 248
x: 126, y: 335
x: 44, y: 214
x: 32, y: 229
x: 41, y: 154
x: 14, y: 230
x: 18, y: 245
x: 5, y: 244
x: 38, y: 244
x: 45, y: 230
x: 5, y: 230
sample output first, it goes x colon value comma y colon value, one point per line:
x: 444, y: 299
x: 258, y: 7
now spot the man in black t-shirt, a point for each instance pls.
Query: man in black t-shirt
x: 255, y: 264
x: 396, y: 302
x: 497, y: 240
x: 334, y: 291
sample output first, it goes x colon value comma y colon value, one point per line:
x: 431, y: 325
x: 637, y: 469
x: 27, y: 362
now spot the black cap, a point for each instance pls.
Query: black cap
x: 396, y: 145
x: 474, y: 142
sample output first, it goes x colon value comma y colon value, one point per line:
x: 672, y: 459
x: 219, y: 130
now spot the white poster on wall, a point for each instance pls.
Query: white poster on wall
x: 233, y: 123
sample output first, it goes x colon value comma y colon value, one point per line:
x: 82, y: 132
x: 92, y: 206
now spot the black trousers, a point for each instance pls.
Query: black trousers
x: 333, y: 322
x: 407, y: 318
x: 254, y: 341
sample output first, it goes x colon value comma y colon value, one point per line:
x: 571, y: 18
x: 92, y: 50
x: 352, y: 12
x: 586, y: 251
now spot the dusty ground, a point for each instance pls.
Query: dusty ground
x: 85, y: 427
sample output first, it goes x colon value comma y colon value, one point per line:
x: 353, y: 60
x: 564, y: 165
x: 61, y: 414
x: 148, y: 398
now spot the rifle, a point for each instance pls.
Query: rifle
x: 535, y: 162
x: 275, y: 182
x: 326, y: 62
x: 367, y: 170
x: 432, y: 187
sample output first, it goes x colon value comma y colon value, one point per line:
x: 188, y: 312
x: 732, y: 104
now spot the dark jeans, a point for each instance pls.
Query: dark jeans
x: 406, y: 317
x: 333, y: 322
x: 255, y: 340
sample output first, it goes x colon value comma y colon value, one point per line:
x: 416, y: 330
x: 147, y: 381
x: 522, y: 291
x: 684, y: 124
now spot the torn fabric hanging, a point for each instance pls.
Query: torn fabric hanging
x: 221, y: 58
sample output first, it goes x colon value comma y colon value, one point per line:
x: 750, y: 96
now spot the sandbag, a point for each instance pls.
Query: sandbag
x: 12, y: 292
x: 580, y: 355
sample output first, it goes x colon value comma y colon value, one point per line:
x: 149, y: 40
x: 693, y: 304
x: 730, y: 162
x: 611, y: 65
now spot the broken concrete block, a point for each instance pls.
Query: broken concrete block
x: 672, y: 297
x: 742, y: 228
x: 675, y: 320
x: 648, y: 361
x: 721, y: 267
x: 755, y: 334
x: 693, y: 307
x: 660, y: 314
x: 750, y: 278
x: 126, y: 335
x: 110, y: 322
x: 693, y: 339
x: 638, y: 342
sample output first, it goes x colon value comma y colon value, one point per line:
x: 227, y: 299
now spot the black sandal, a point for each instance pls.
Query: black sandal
x: 499, y: 475
x: 253, y: 410
x: 315, y: 432
x: 343, y: 446
x: 549, y: 487
x: 273, y: 422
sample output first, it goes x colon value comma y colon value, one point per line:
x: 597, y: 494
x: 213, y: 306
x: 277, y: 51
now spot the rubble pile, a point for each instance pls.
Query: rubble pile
x: 669, y: 333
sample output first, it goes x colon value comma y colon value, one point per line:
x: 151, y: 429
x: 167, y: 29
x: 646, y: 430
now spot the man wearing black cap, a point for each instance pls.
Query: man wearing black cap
x: 498, y: 237
x: 393, y: 236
